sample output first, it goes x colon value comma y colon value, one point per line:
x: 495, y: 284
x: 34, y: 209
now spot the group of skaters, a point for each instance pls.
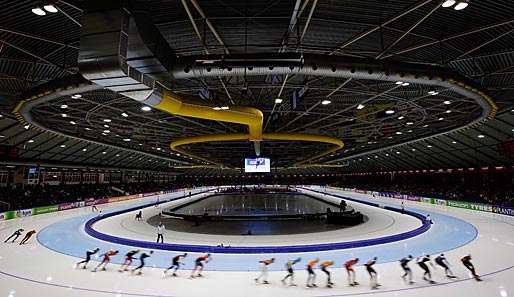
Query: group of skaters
x: 18, y: 233
x: 423, y: 262
x: 176, y: 262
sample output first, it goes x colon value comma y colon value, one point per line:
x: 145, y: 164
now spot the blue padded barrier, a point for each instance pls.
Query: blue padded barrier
x: 256, y: 249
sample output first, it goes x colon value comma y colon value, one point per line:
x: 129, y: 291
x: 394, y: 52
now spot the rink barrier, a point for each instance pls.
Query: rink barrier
x: 425, y: 226
x: 483, y: 207
x: 21, y: 213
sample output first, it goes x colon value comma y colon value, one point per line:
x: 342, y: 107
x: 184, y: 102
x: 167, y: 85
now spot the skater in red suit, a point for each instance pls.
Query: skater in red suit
x: 107, y: 258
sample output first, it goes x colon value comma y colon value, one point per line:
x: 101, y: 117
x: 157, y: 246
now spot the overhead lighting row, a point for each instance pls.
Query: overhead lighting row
x: 42, y: 10
x: 459, y: 4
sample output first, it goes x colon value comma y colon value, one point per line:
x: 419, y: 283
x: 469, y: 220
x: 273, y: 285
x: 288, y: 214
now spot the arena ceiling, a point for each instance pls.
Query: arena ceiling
x: 41, y: 53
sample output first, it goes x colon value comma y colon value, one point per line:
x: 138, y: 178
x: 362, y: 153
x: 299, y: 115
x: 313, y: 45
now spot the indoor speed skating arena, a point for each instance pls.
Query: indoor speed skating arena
x: 284, y: 148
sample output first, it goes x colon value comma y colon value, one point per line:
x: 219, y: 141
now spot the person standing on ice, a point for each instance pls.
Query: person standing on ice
x: 443, y: 262
x: 373, y: 276
x: 107, y: 258
x: 16, y: 234
x: 89, y: 253
x: 175, y: 264
x: 422, y: 263
x: 27, y: 237
x: 407, y: 271
x: 160, y: 232
x: 198, y: 268
x: 142, y: 258
x: 290, y: 271
x: 263, y: 265
x: 129, y: 257
x: 466, y: 261
x: 311, y: 275
x: 348, y: 265
x: 324, y: 267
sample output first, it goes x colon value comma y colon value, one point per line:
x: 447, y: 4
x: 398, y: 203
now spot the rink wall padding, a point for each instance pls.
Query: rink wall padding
x: 255, y: 249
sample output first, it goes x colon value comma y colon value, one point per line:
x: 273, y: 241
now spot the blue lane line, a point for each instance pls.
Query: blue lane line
x: 68, y: 237
x: 255, y: 249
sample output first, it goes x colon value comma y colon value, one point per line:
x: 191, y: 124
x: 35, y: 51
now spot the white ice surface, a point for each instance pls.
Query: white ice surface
x: 32, y: 269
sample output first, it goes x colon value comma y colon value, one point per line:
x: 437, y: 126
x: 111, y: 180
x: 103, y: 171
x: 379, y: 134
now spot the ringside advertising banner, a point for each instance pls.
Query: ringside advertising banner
x: 71, y: 205
x: 469, y: 205
x: 45, y: 209
x: 21, y: 213
x: 9, y: 215
x: 509, y: 211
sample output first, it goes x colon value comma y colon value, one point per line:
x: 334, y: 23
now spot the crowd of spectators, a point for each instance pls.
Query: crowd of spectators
x: 29, y: 196
x: 492, y: 188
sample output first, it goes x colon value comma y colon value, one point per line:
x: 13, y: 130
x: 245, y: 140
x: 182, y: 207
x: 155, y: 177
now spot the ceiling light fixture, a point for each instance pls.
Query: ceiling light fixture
x: 448, y: 111
x: 62, y: 145
x: 440, y: 119
x: 107, y: 120
x: 399, y: 82
x: 278, y: 101
x: 73, y: 123
x: 461, y: 5
x: 447, y: 102
x: 405, y: 84
x: 64, y: 106
x: 107, y: 131
x: 481, y: 136
x: 31, y: 141
x: 448, y: 3
x: 433, y: 93
x: 389, y: 111
x: 125, y: 115
x: 64, y: 115
x: 126, y: 139
x: 50, y: 8
x: 225, y: 108
x: 146, y: 108
x: 409, y: 123
x: 76, y: 96
x: 360, y: 106
x: 216, y: 108
x: 401, y: 117
x: 326, y: 102
x: 38, y: 11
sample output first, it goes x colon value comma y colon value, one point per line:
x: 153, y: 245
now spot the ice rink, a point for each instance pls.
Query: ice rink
x: 45, y: 266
